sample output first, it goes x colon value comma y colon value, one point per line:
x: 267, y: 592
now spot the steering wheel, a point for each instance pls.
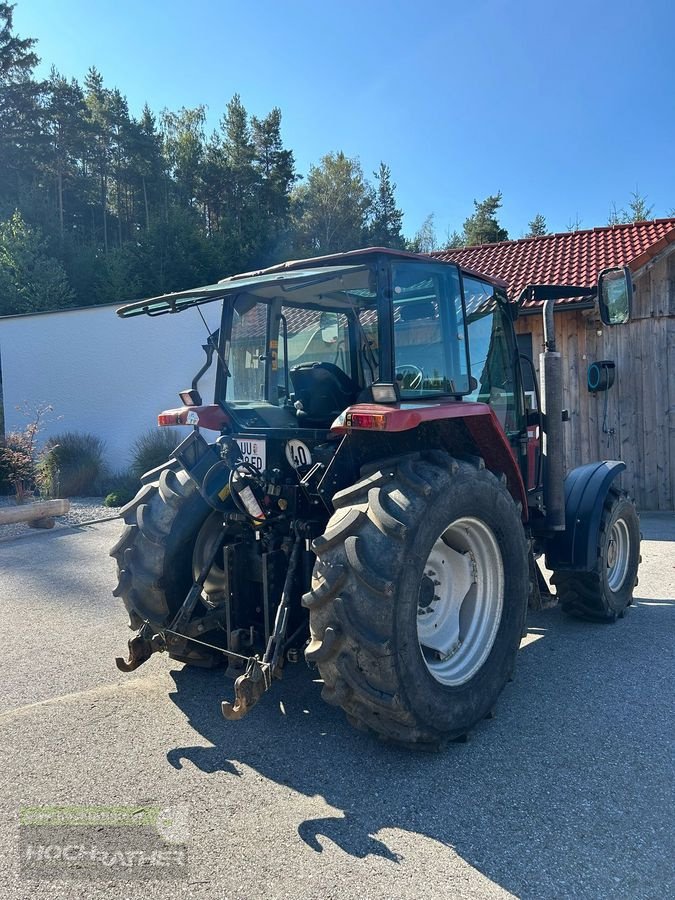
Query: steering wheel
x: 415, y: 374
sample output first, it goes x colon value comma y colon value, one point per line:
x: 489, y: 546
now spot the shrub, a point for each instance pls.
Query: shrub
x: 118, y: 488
x: 119, y: 497
x: 71, y: 465
x: 17, y: 466
x: 152, y: 449
x: 19, y: 456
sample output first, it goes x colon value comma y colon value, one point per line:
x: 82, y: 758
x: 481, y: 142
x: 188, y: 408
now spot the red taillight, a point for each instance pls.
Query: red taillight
x: 210, y: 417
x: 169, y: 418
x: 375, y: 421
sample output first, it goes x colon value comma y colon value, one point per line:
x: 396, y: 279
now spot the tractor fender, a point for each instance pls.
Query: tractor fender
x: 586, y: 488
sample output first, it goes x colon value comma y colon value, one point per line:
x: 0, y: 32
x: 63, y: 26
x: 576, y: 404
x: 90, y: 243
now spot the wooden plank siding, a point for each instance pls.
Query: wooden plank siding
x: 641, y: 404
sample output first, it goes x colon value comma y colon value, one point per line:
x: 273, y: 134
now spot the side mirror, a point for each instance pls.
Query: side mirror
x: 328, y: 325
x: 615, y: 295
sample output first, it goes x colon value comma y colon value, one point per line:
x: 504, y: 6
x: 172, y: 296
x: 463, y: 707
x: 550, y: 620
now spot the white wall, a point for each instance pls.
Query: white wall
x: 102, y: 374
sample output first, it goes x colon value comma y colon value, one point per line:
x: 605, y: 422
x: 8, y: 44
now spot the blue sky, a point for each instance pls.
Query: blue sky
x: 564, y: 107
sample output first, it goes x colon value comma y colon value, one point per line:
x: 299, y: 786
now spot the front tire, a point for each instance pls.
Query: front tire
x: 379, y: 587
x: 604, y: 594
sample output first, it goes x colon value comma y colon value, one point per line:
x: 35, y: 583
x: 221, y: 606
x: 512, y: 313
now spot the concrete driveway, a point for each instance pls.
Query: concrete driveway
x: 568, y: 792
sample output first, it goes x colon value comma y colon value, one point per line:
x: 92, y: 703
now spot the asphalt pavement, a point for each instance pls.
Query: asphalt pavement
x: 567, y: 792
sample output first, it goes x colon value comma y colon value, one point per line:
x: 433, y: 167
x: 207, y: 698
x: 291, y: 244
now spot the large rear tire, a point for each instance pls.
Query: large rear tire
x: 418, y: 598
x: 168, y: 529
x: 604, y: 594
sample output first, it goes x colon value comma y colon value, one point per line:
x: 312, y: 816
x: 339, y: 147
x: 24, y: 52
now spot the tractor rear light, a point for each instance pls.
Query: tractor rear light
x: 374, y: 421
x: 170, y: 417
x: 211, y: 417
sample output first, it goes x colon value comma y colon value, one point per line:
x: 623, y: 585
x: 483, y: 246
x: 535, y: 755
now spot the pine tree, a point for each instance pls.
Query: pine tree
x: 638, y: 210
x: 537, y: 226
x: 21, y: 143
x: 183, y: 134
x: 98, y: 114
x: 65, y: 129
x: 242, y: 177
x: 145, y: 166
x: 482, y: 227
x: 386, y: 218
x: 276, y: 175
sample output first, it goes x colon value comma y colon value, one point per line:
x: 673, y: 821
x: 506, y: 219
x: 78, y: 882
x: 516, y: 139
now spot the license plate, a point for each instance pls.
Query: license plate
x: 253, y: 451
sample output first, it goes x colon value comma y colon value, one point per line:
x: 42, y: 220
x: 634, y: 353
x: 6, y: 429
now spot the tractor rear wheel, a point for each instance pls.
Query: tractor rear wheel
x: 168, y: 531
x: 418, y: 597
x: 604, y: 594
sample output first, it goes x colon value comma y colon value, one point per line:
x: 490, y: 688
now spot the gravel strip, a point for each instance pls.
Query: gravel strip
x: 82, y: 511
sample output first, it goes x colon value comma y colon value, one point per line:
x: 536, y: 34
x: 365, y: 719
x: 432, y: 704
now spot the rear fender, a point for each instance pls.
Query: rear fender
x: 586, y: 489
x: 485, y: 433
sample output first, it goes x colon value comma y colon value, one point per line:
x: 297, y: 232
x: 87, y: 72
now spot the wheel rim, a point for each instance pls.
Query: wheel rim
x: 618, y: 555
x: 460, y: 602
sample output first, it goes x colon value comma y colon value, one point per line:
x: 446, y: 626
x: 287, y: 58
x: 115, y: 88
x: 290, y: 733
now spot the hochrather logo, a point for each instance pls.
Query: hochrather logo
x: 127, y: 842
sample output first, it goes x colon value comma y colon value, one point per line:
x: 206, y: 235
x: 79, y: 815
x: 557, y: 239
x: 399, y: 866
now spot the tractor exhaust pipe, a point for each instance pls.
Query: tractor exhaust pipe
x: 550, y: 374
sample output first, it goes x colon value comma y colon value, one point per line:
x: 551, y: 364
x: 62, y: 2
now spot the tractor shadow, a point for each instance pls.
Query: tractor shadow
x: 525, y: 801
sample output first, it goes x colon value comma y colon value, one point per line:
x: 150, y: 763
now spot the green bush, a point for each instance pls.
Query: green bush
x: 152, y: 449
x: 118, y: 488
x: 71, y: 465
x: 119, y: 497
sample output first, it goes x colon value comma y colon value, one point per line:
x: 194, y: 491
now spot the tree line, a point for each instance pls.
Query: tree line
x: 100, y: 206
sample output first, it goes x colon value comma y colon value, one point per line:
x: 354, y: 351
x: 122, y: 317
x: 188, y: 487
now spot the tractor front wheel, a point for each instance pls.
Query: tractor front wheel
x: 604, y: 594
x: 418, y: 597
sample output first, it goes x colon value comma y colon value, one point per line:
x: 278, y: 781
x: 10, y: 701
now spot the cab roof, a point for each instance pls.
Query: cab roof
x: 282, y: 272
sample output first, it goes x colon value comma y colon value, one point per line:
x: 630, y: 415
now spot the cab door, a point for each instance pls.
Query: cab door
x: 495, y: 366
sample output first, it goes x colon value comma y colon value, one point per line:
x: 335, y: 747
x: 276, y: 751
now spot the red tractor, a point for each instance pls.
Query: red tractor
x: 377, y: 492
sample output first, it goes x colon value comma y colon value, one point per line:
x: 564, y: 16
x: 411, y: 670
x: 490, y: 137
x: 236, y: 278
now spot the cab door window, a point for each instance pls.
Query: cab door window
x: 492, y: 353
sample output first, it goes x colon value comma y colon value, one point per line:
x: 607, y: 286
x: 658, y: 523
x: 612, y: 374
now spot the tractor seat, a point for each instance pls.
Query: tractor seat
x: 324, y: 390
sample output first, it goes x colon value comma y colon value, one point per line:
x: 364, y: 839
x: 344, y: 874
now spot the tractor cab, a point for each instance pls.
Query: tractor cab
x: 301, y: 342
x: 314, y: 340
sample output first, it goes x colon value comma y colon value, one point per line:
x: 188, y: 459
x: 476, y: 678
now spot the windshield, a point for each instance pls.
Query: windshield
x: 315, y: 319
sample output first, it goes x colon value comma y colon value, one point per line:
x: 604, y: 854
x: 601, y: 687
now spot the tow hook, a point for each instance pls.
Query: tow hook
x: 141, y: 648
x: 248, y: 689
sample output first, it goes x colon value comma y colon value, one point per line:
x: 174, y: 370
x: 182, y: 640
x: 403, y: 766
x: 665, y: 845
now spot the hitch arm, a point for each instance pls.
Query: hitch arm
x: 257, y: 678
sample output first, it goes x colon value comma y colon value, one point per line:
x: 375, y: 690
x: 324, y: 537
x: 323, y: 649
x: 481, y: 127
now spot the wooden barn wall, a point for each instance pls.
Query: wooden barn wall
x: 640, y: 410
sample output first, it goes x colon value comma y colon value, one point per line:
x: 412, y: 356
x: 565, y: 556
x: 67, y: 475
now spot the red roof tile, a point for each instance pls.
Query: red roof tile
x: 567, y: 258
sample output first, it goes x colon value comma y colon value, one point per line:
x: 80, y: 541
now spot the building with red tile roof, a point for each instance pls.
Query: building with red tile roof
x: 635, y: 420
x: 569, y: 258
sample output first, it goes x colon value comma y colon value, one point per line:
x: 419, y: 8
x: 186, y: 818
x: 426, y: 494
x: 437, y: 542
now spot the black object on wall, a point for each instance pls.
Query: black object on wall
x: 601, y: 375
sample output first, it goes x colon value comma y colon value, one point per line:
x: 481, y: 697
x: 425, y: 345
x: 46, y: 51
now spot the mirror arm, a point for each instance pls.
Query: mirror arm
x: 209, y: 349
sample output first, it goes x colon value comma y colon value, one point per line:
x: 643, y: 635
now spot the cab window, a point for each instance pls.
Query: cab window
x: 491, y: 352
x: 428, y: 330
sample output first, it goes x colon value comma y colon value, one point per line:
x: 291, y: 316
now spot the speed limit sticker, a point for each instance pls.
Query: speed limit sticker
x: 298, y: 454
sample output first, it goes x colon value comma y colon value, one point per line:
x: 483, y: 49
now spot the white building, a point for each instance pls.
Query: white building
x: 102, y: 375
